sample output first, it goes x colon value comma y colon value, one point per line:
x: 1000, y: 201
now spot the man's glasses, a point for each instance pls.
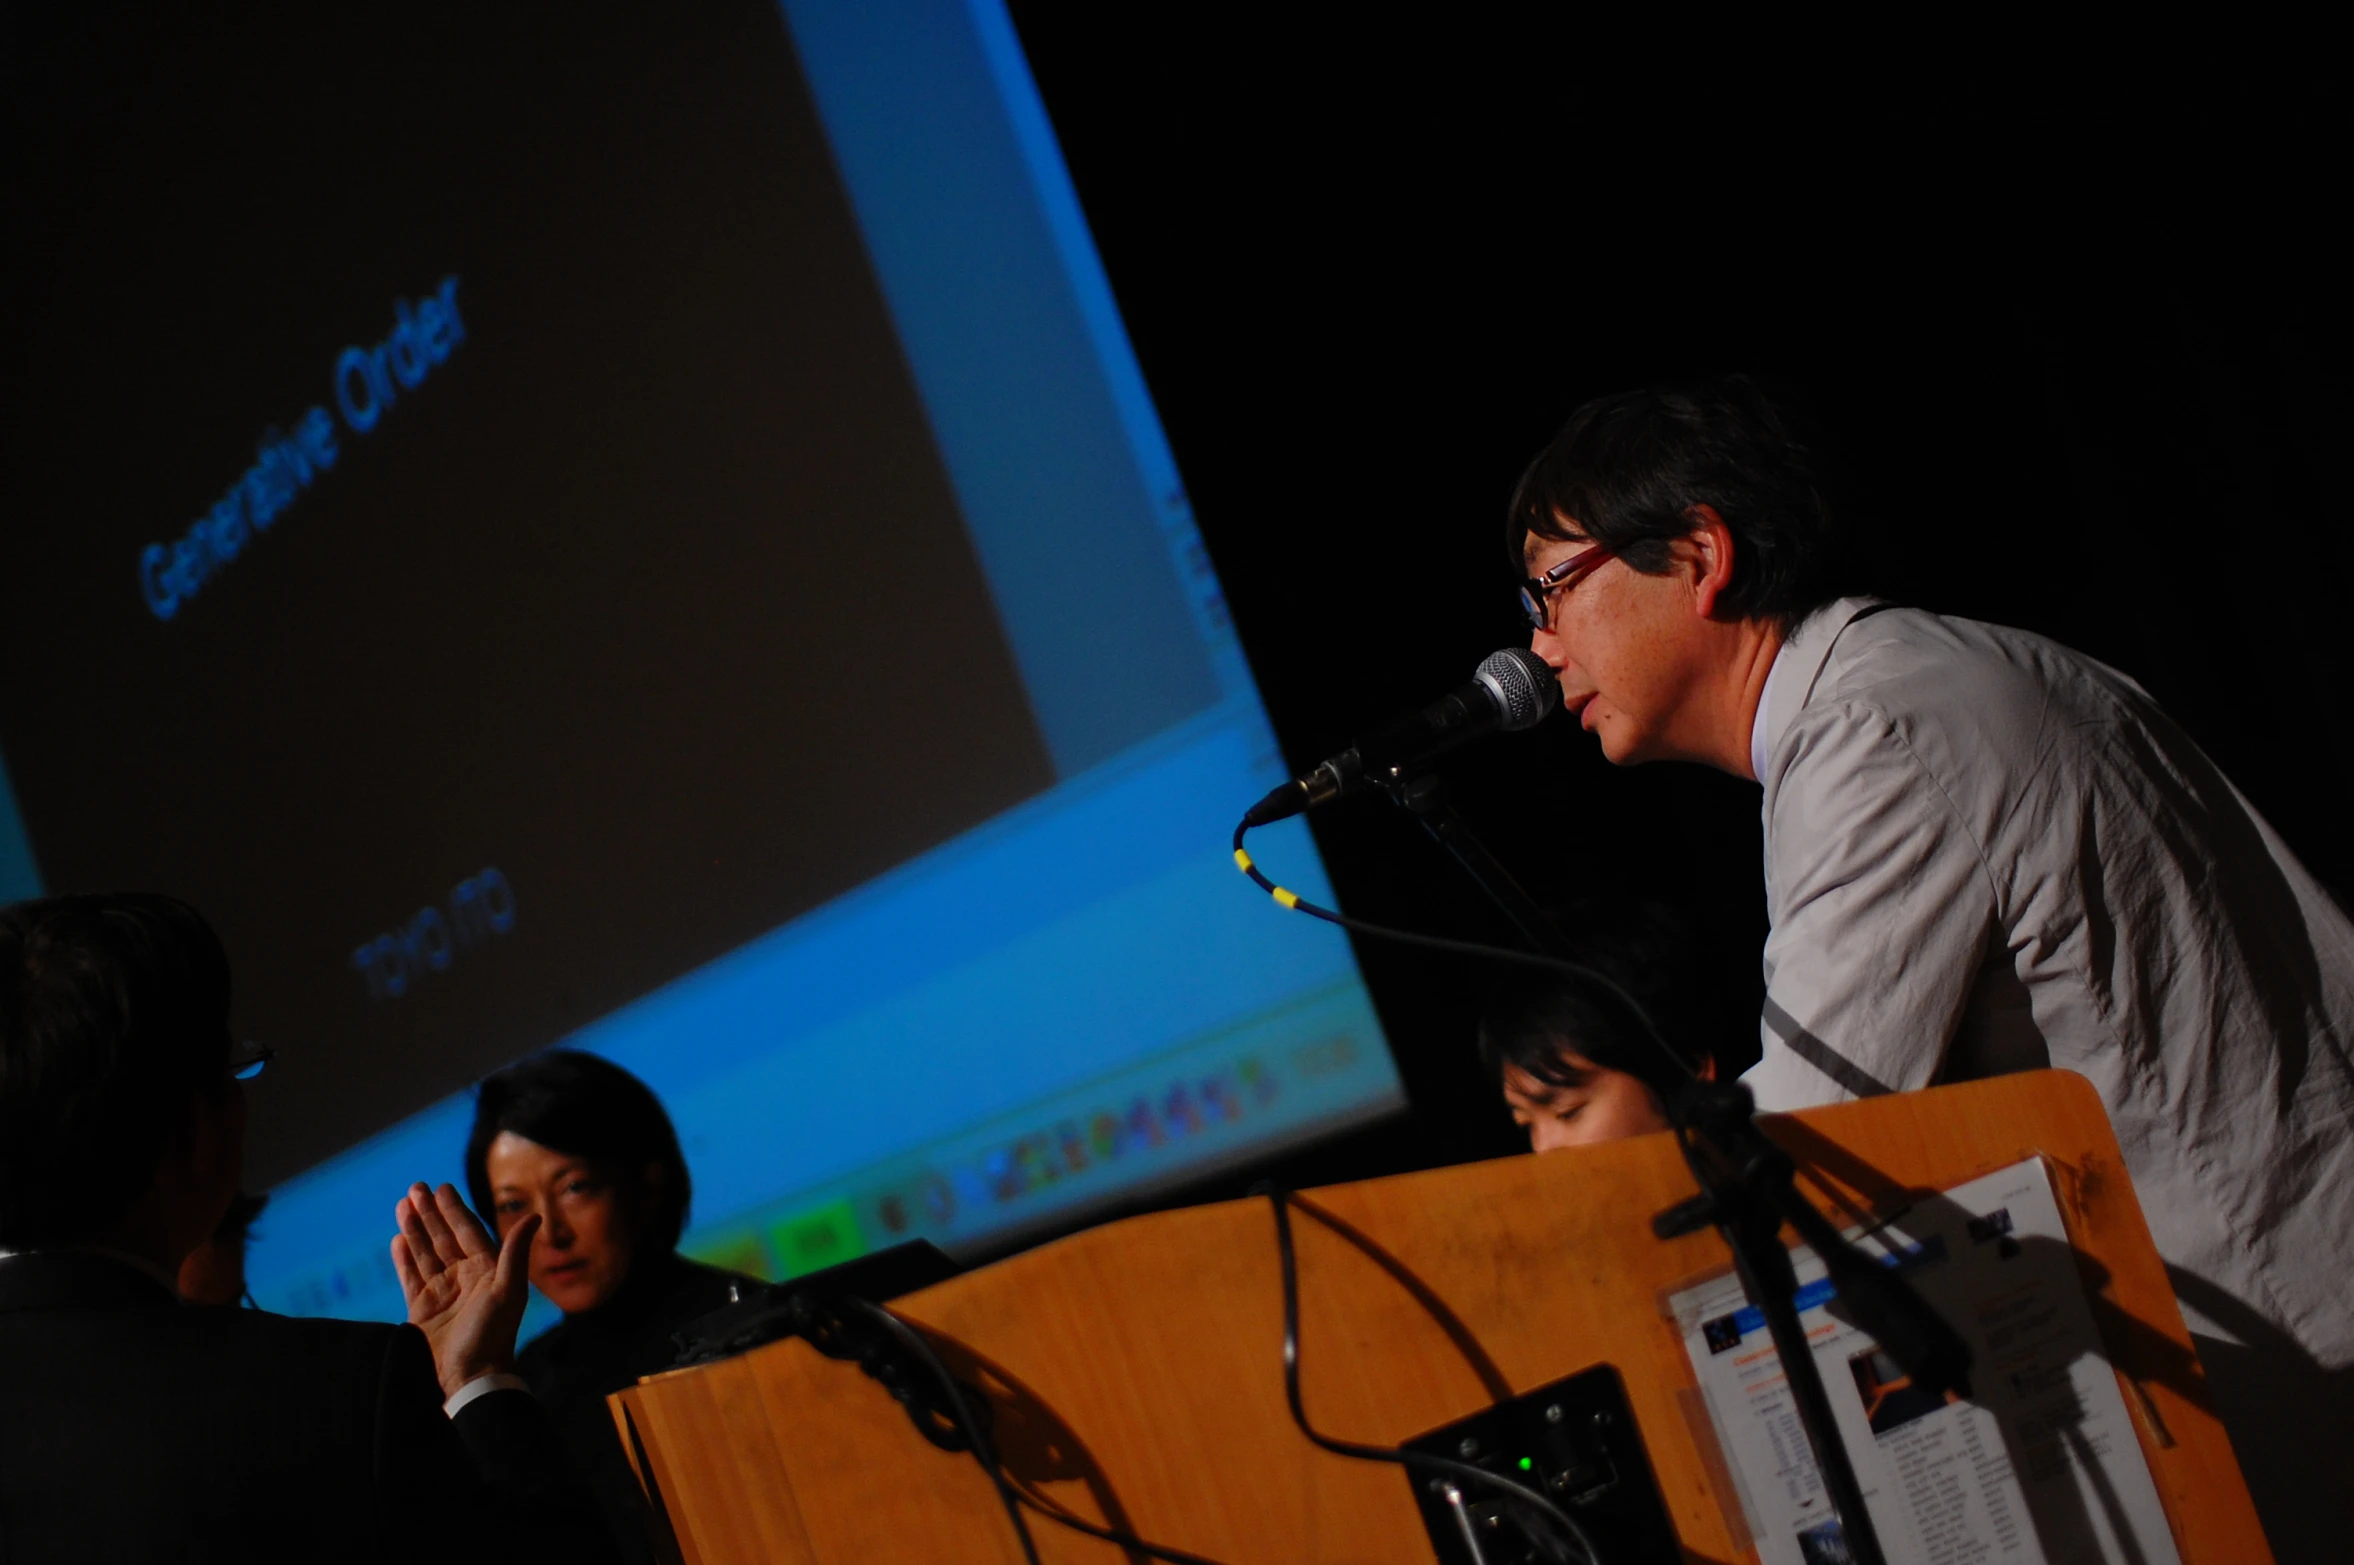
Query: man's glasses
x: 249, y: 1059
x: 1538, y: 594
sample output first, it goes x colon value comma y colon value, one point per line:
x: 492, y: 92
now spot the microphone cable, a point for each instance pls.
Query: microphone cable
x: 1687, y: 1114
x: 976, y: 1437
x: 1579, y: 971
x: 1286, y: 898
x: 977, y: 1441
x: 1287, y: 1254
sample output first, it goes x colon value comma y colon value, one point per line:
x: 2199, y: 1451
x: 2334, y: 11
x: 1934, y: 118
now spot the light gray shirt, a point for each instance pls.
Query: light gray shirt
x: 1984, y: 853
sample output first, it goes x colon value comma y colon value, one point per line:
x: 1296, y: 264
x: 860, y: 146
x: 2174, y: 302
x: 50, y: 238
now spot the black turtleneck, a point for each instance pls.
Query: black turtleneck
x: 576, y: 1364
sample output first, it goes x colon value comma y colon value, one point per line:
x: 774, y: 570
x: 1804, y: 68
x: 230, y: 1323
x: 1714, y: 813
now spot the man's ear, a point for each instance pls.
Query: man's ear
x: 1711, y: 548
x: 209, y: 1139
x: 206, y: 1160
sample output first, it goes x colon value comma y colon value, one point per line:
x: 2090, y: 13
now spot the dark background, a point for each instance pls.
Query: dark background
x: 2071, y: 313
x: 2071, y: 307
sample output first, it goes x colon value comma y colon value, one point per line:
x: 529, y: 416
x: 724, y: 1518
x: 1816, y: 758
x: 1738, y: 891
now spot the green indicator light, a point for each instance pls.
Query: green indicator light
x: 1526, y: 1464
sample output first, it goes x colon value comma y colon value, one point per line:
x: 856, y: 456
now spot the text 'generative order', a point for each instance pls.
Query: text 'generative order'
x: 368, y: 380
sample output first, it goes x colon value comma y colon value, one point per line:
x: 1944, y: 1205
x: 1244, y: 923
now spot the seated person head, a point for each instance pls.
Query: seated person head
x: 587, y: 1146
x: 1575, y: 1066
x: 121, y: 1123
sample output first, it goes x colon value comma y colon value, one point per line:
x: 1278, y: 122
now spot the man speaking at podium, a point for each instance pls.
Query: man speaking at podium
x: 1984, y: 853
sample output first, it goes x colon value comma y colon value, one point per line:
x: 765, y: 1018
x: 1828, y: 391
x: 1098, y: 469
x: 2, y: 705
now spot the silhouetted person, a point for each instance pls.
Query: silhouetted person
x: 134, y: 1427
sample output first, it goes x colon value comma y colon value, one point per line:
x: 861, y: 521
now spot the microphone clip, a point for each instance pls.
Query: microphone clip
x: 1511, y: 690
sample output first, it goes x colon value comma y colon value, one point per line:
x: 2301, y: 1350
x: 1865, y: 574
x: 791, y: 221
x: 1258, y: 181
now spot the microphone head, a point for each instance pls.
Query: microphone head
x: 1522, y: 683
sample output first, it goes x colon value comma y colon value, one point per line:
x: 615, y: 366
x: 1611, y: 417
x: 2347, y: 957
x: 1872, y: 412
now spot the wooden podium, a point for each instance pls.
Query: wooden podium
x: 1136, y: 1379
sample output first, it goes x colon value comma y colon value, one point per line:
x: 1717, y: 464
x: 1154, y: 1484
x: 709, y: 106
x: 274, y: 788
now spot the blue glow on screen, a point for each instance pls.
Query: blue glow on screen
x: 1060, y: 466
x: 1077, y: 1000
x: 20, y: 877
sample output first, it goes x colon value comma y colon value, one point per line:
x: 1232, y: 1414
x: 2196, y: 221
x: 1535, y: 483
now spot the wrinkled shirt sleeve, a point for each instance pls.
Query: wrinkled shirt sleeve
x: 1882, y: 914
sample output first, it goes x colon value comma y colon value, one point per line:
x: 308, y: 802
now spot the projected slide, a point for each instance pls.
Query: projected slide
x: 656, y: 542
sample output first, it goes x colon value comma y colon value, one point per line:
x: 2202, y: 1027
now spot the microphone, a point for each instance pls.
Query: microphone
x: 1512, y: 690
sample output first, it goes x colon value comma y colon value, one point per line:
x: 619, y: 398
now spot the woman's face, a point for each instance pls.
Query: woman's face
x: 1598, y: 1105
x: 588, y: 1234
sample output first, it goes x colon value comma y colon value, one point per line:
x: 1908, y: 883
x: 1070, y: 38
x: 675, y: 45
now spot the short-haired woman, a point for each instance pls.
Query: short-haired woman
x: 586, y: 1146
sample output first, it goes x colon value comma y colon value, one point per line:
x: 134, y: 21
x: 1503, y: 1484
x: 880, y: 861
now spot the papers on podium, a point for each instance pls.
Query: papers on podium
x: 2041, y: 1465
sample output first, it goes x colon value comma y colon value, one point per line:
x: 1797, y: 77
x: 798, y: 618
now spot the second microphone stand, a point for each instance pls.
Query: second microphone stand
x: 1748, y: 1190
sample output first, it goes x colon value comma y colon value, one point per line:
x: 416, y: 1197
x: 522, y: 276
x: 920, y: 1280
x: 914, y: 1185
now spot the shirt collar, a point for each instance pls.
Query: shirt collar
x: 139, y: 1264
x: 1790, y: 684
x: 79, y: 1275
x: 145, y: 1268
x: 1757, y: 724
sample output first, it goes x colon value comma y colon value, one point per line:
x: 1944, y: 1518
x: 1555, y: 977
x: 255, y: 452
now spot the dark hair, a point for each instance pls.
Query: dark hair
x: 589, y: 1108
x: 1629, y: 469
x: 1531, y: 1015
x: 114, y: 1011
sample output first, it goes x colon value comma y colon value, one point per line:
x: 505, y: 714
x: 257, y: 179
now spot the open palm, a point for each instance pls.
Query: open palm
x: 464, y: 1292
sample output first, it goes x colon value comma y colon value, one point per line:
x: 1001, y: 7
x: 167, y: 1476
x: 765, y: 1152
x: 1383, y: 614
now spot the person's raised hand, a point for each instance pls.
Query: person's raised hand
x: 465, y: 1293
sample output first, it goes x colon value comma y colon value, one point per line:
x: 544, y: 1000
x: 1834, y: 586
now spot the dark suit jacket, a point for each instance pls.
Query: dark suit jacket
x: 576, y: 1364
x: 137, y: 1428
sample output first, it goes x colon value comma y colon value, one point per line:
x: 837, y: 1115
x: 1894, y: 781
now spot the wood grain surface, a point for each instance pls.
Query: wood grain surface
x: 1135, y: 1370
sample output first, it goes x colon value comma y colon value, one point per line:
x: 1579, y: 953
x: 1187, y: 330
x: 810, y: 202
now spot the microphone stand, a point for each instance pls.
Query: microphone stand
x: 1425, y: 798
x: 1748, y: 1191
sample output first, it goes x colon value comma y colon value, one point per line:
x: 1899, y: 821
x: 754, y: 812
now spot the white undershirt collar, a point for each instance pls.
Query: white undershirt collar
x: 1757, y: 724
